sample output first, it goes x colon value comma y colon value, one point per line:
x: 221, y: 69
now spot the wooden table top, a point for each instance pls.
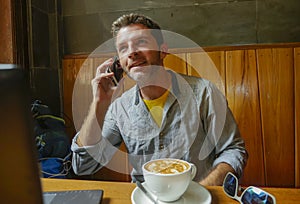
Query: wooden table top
x: 120, y: 192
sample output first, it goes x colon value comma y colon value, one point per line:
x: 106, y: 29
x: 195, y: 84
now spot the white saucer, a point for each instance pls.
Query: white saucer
x: 194, y: 194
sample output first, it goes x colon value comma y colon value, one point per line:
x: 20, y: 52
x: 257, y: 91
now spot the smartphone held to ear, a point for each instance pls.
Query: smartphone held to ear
x: 117, y: 70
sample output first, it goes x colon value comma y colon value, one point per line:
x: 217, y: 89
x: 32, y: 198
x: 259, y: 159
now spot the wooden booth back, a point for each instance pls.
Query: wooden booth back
x: 261, y: 84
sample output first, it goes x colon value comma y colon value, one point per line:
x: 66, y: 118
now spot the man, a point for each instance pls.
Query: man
x: 164, y: 115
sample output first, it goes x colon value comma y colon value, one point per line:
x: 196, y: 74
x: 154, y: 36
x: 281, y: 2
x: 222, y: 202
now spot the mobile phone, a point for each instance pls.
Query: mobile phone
x: 117, y: 70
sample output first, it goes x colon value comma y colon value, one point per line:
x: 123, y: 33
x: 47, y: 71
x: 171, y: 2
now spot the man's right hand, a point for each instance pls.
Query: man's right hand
x: 102, y: 85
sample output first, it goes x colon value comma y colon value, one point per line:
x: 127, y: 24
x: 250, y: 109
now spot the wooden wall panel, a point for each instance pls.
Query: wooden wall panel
x: 97, y: 62
x: 275, y: 74
x: 176, y: 62
x: 243, y: 99
x: 210, y: 65
x: 69, y: 76
x: 218, y: 58
x: 297, y: 114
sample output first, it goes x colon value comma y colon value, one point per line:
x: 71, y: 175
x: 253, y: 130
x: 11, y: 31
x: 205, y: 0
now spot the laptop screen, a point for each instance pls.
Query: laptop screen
x: 19, y: 173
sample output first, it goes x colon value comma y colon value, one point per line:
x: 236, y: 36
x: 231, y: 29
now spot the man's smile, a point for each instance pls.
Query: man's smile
x: 137, y: 64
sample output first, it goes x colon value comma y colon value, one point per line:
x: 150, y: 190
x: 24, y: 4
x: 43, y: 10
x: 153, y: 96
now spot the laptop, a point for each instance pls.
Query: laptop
x: 19, y: 171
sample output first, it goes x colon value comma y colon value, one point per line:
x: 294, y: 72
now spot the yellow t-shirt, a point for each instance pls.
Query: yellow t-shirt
x: 156, y: 107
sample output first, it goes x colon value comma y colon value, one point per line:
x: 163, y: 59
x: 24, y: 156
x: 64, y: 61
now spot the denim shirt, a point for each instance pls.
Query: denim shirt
x: 197, y: 126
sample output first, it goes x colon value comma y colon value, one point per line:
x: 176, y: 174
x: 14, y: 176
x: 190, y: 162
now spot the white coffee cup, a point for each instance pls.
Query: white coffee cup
x: 168, y: 178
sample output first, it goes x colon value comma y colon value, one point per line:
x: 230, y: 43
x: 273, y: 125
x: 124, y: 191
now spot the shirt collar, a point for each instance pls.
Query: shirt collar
x: 175, y: 88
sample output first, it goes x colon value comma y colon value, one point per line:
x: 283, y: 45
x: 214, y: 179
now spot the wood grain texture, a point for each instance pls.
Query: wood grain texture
x: 297, y: 114
x: 176, y: 62
x: 210, y: 66
x: 275, y: 75
x: 6, y: 33
x: 120, y: 192
x: 243, y: 99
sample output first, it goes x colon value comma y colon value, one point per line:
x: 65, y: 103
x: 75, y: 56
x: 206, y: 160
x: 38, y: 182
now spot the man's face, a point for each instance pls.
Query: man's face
x: 138, y: 51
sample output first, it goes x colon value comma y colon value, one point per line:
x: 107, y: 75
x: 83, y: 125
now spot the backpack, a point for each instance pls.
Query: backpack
x: 52, y: 142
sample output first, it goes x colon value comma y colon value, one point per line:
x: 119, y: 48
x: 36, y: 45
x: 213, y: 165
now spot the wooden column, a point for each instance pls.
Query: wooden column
x: 6, y: 33
x: 297, y: 114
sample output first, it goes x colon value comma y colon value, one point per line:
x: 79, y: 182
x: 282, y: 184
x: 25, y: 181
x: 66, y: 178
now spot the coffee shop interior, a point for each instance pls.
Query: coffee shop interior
x: 254, y: 45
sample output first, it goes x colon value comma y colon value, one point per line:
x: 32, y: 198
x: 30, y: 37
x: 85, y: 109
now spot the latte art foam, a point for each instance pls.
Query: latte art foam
x: 167, y: 166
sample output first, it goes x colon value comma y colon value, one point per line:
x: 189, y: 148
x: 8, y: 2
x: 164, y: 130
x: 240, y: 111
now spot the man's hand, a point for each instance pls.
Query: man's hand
x: 102, y: 85
x: 217, y: 175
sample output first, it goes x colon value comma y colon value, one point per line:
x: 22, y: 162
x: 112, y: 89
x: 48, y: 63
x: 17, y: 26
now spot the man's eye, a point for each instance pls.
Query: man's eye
x: 122, y: 48
x: 142, y: 41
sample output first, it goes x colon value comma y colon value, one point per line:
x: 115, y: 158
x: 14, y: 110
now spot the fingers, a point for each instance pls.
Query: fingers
x: 101, y: 74
x: 103, y: 67
x: 102, y: 84
x: 103, y: 80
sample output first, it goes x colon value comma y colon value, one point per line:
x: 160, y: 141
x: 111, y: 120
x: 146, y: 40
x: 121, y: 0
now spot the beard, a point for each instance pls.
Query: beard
x: 147, y: 75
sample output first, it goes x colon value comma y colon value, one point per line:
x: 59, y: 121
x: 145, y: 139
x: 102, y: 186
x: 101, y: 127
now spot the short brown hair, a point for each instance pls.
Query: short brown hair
x: 134, y: 18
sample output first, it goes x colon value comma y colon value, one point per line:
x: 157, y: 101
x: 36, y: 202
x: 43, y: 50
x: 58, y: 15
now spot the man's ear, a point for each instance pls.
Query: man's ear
x: 163, y: 50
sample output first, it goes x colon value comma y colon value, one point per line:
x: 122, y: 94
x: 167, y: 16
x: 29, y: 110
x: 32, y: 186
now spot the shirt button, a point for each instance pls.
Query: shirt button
x: 161, y: 146
x: 161, y: 134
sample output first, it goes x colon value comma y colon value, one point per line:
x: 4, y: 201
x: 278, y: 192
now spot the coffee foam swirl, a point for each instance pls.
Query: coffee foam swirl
x: 167, y: 166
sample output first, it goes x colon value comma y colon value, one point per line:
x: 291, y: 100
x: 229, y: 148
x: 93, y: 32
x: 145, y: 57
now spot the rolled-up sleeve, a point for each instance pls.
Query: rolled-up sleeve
x: 89, y: 159
x: 231, y: 147
x: 223, y: 132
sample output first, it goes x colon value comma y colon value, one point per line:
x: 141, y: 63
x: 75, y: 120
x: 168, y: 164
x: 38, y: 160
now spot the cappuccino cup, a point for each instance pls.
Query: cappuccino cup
x: 168, y: 178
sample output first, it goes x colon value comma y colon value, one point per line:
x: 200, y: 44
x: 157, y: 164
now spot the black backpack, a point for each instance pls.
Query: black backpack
x: 52, y: 142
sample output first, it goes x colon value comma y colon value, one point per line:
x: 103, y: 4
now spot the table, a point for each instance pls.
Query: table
x: 120, y: 192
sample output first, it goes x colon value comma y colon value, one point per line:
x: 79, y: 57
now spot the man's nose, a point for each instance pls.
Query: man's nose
x: 132, y: 51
